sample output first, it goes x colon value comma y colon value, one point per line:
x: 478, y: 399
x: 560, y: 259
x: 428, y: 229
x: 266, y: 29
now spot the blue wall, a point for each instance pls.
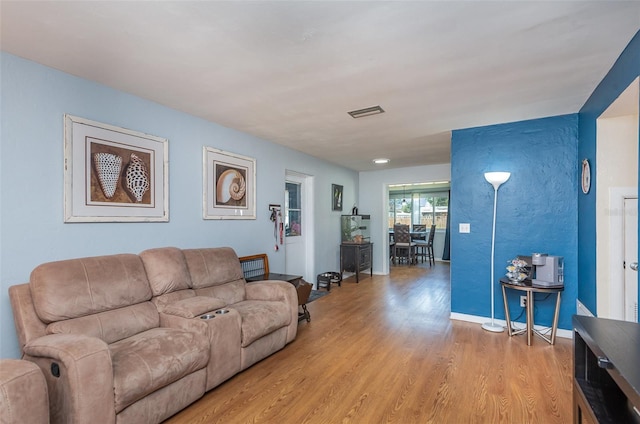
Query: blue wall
x: 34, y: 99
x: 623, y: 72
x: 537, y: 209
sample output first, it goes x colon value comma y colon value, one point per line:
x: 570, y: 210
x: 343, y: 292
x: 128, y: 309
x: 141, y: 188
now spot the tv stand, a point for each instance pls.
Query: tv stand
x: 606, y: 383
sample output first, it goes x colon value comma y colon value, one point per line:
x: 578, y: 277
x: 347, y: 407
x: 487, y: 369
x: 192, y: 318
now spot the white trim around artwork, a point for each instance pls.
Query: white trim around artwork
x: 228, y: 185
x: 112, y: 174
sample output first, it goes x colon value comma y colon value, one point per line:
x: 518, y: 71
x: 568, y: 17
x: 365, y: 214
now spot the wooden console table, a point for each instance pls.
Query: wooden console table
x: 606, y: 383
x: 356, y: 257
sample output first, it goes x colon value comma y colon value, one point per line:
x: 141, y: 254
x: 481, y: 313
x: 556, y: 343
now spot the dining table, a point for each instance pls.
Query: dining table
x: 415, y: 235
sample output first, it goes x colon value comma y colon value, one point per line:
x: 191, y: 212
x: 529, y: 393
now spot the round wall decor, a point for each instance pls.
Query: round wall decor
x: 586, y: 176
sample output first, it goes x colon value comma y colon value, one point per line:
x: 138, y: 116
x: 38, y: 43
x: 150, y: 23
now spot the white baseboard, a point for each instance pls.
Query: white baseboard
x: 566, y: 334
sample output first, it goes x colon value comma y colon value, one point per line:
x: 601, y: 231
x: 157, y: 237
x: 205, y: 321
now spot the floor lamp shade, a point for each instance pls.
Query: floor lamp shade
x: 496, y: 179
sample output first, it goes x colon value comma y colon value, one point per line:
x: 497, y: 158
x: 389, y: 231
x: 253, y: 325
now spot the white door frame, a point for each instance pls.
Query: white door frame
x: 630, y: 278
x: 386, y: 252
x: 307, y: 182
x: 616, y: 249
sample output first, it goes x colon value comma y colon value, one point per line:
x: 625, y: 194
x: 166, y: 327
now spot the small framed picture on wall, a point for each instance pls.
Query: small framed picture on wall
x: 229, y: 185
x: 336, y: 197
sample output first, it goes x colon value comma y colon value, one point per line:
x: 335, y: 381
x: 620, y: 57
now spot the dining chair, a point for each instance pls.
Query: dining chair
x: 424, y: 247
x: 430, y: 253
x: 392, y: 251
x: 403, y: 244
x: 392, y: 245
x: 418, y: 228
x: 421, y: 249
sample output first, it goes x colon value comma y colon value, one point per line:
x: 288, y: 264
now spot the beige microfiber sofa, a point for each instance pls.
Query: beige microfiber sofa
x: 124, y: 339
x: 23, y: 393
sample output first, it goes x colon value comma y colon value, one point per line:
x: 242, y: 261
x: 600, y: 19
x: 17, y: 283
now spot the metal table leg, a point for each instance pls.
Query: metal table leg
x: 556, y: 316
x: 554, y: 326
x: 506, y: 311
x: 510, y: 330
x: 529, y: 316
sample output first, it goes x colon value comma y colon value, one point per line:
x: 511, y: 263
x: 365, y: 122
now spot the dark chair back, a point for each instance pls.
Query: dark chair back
x: 432, y: 233
x: 401, y: 234
x: 419, y: 228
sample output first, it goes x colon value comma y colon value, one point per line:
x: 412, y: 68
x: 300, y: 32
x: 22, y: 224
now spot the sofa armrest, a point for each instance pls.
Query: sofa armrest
x: 195, y: 325
x: 23, y: 393
x: 79, y: 375
x: 271, y: 290
x: 28, y: 325
x: 277, y: 291
x: 193, y: 306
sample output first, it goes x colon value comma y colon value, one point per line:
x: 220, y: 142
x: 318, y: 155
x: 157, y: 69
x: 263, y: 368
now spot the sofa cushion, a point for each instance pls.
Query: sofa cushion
x: 149, y: 361
x: 78, y: 287
x: 162, y: 404
x: 111, y: 326
x: 192, y: 307
x: 166, y: 270
x: 168, y: 298
x: 261, y: 317
x: 216, y: 272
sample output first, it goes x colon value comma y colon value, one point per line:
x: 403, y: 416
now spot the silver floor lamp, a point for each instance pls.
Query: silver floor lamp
x: 496, y: 179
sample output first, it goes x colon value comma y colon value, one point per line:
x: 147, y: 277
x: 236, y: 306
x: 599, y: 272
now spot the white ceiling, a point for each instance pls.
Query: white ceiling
x: 289, y: 71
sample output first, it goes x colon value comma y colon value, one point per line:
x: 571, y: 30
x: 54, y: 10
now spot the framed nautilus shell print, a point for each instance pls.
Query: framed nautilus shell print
x: 113, y: 174
x: 229, y: 185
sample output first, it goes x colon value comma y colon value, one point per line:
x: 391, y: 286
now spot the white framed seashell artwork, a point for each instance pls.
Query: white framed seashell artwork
x: 229, y: 185
x: 113, y: 174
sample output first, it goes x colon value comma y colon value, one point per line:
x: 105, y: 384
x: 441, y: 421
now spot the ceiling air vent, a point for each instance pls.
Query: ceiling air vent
x: 374, y: 110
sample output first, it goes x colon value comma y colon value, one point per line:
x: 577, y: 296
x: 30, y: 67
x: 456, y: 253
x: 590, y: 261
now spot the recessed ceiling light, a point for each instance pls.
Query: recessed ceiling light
x: 380, y: 161
x: 368, y: 111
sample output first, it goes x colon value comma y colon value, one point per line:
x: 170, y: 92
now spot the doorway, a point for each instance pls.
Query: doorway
x: 298, y: 222
x: 419, y: 205
x: 617, y: 180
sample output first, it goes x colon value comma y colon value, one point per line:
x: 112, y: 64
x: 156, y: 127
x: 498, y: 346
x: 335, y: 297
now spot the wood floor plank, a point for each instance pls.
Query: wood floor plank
x: 385, y: 351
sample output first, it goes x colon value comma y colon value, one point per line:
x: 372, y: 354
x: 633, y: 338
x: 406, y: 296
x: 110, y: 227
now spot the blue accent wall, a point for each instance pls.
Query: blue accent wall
x: 623, y: 72
x: 537, y: 210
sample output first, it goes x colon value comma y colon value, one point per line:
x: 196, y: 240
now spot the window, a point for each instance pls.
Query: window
x: 293, y: 211
x: 415, y: 204
x: 438, y: 210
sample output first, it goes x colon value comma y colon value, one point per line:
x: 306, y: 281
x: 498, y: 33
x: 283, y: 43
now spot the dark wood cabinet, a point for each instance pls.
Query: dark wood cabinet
x: 356, y: 257
x: 606, y: 362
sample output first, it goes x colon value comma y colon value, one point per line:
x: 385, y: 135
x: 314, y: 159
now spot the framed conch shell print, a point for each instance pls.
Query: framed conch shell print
x: 229, y: 185
x: 112, y: 174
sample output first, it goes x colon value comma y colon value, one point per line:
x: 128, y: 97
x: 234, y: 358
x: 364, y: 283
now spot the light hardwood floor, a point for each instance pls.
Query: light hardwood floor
x: 385, y: 351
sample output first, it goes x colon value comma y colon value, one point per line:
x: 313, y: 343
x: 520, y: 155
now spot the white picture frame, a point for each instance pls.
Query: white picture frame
x: 229, y: 185
x: 112, y: 174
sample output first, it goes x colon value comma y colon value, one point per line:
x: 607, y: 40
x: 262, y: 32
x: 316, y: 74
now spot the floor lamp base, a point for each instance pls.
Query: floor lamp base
x: 494, y: 328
